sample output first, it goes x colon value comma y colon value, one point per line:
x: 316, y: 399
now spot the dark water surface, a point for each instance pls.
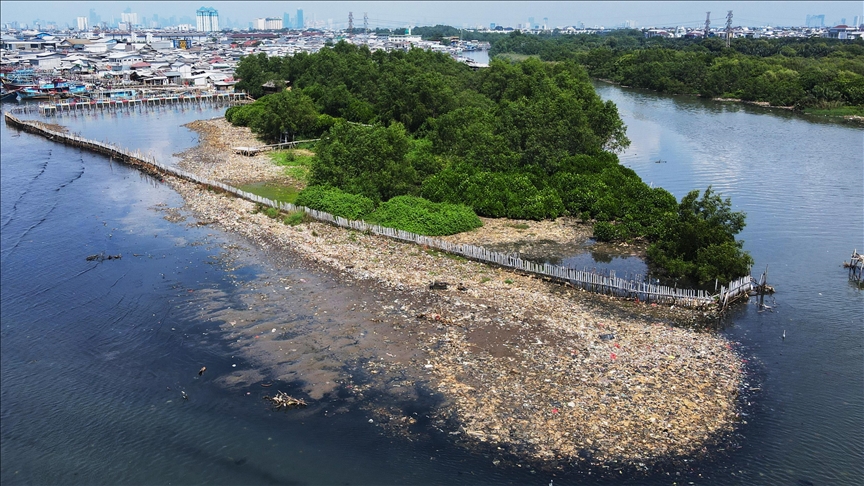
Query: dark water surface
x: 95, y: 354
x: 801, y: 183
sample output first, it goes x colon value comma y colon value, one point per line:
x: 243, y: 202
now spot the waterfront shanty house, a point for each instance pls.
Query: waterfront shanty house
x: 29, y: 45
x: 173, y: 77
x: 183, y: 68
x: 47, y: 60
x: 71, y: 44
x: 224, y: 86
x: 123, y: 61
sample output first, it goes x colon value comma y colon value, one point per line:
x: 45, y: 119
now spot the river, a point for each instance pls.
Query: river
x: 95, y: 354
x: 800, y: 182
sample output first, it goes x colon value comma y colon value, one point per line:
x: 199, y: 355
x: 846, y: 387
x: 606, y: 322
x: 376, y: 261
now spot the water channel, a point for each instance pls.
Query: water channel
x: 95, y: 354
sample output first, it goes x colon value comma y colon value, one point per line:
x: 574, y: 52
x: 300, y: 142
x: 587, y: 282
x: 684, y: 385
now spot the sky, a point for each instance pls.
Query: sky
x: 467, y: 14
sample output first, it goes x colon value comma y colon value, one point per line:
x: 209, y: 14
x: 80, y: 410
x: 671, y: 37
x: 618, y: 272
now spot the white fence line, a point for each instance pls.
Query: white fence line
x: 591, y: 281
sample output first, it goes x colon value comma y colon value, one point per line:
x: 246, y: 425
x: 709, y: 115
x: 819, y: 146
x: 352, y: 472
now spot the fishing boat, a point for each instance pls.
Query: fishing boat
x: 8, y: 94
x: 55, y: 89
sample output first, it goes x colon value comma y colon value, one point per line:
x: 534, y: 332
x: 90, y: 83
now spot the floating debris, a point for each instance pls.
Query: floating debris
x: 283, y: 400
x: 643, y: 392
x: 102, y: 257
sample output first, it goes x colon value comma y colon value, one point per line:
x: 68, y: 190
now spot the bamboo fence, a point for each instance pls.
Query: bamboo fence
x: 608, y: 284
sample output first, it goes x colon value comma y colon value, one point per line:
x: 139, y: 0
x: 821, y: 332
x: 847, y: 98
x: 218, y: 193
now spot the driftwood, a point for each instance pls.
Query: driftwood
x: 102, y: 257
x: 283, y: 400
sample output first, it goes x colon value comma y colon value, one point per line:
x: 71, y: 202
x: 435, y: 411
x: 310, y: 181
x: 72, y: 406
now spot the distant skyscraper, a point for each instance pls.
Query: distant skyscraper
x: 299, y: 19
x: 94, y: 19
x: 82, y: 23
x: 207, y: 19
x: 129, y: 18
x: 816, y: 20
x: 286, y: 20
x: 856, y: 21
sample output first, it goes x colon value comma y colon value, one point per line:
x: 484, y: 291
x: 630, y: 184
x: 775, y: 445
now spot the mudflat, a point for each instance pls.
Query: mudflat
x: 545, y: 371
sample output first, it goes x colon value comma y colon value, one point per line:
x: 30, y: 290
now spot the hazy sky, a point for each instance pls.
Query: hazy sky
x: 459, y: 14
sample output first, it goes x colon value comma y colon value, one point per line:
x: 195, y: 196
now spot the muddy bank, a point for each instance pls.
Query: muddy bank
x: 548, y: 372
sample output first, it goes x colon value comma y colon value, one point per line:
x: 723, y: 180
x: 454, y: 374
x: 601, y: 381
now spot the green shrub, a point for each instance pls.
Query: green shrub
x: 424, y: 217
x: 296, y: 217
x: 335, y: 201
x: 604, y: 231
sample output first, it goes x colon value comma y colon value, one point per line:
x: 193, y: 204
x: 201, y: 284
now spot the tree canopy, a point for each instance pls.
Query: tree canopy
x: 527, y: 140
x: 804, y: 73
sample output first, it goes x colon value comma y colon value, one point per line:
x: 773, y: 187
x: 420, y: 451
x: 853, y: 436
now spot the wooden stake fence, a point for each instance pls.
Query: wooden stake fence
x: 591, y: 281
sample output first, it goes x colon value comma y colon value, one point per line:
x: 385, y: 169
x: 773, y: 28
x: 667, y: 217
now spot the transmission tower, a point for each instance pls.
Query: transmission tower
x: 729, y: 29
x: 365, y: 23
x: 350, y: 23
x: 707, y: 24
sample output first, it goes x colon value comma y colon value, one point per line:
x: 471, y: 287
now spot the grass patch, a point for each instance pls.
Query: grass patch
x: 519, y: 226
x: 513, y: 57
x: 295, y: 161
x: 336, y: 202
x: 837, y: 111
x: 508, y: 281
x: 296, y: 217
x: 484, y: 279
x: 267, y: 210
x: 436, y: 253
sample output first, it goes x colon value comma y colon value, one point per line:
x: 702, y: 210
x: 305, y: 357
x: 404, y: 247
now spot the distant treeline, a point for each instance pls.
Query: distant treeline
x: 804, y: 73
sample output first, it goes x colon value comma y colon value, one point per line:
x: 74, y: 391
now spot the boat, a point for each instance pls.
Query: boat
x: 8, y: 95
x: 57, y: 88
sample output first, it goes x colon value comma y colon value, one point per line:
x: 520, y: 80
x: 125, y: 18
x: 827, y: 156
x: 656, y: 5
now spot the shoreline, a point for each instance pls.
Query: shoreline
x: 762, y: 104
x: 568, y: 375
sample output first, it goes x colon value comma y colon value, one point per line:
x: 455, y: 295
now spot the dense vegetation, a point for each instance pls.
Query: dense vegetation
x: 530, y: 140
x: 804, y: 73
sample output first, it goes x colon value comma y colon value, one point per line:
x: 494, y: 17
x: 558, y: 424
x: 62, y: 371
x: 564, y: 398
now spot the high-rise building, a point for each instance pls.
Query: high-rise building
x: 816, y: 20
x: 286, y: 21
x: 82, y: 23
x: 95, y: 20
x: 207, y: 19
x: 129, y: 18
x: 269, y: 23
x: 299, y: 25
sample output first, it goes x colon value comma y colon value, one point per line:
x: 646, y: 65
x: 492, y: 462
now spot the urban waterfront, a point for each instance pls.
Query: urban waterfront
x: 93, y: 367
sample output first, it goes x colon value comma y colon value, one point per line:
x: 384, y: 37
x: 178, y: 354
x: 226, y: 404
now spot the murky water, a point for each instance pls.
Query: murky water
x: 801, y: 183
x: 95, y: 354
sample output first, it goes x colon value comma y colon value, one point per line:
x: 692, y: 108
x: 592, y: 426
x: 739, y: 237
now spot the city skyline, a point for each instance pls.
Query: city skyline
x: 468, y: 14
